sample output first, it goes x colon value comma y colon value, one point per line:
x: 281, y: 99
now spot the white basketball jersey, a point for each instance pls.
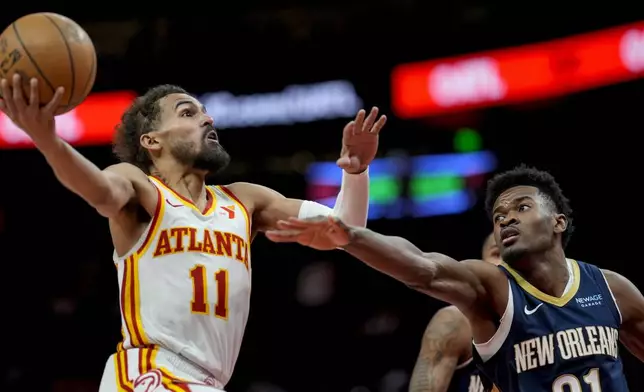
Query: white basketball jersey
x: 185, y: 286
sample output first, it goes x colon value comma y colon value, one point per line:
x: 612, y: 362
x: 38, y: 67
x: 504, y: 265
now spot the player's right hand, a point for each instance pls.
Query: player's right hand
x: 321, y: 233
x: 38, y: 122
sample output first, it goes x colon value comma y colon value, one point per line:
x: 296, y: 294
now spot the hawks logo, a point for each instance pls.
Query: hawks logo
x: 148, y: 382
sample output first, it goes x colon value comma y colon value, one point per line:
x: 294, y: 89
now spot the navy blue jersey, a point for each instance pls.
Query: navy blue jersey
x: 466, y: 379
x: 566, y: 344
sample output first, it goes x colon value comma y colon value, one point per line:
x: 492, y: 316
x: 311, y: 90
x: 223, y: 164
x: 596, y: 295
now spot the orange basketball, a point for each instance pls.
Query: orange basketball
x: 53, y: 49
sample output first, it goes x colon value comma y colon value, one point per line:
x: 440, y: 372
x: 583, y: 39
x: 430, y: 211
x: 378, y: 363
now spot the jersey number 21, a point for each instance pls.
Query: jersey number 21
x: 568, y: 382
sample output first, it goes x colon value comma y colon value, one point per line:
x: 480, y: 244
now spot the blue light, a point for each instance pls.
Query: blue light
x: 445, y: 204
x: 328, y: 173
x: 467, y: 164
x: 393, y: 210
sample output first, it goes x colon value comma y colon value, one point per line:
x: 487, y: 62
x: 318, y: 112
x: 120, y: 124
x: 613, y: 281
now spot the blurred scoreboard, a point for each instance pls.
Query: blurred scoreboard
x: 416, y: 186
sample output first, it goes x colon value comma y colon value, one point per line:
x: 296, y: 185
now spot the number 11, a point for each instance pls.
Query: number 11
x: 199, y: 302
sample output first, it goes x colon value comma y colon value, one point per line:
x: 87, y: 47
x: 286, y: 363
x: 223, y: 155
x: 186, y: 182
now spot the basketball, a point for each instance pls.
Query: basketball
x: 53, y: 49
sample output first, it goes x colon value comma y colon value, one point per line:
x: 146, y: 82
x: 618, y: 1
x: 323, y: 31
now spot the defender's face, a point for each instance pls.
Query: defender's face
x: 189, y: 134
x: 523, y: 223
x: 491, y: 253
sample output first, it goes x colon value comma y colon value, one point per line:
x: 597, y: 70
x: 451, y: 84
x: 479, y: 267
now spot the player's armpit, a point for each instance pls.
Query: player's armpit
x: 631, y: 307
x: 472, y: 285
x: 445, y: 343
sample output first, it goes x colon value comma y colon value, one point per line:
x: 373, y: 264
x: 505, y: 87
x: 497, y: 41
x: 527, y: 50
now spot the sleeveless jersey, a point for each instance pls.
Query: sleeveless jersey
x: 566, y: 344
x: 185, y: 286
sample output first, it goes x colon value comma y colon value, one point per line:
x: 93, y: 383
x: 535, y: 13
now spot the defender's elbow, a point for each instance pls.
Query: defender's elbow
x: 422, y: 278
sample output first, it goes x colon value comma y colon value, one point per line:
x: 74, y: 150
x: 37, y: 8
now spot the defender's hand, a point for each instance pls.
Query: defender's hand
x: 321, y: 233
x: 360, y: 141
x: 38, y: 122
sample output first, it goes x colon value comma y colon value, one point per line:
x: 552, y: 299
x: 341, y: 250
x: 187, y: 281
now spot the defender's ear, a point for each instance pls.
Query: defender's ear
x: 561, y: 223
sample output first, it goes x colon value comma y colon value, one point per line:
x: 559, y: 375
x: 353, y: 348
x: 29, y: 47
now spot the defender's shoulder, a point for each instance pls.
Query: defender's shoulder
x: 449, y: 313
x: 484, y: 269
x: 618, y: 284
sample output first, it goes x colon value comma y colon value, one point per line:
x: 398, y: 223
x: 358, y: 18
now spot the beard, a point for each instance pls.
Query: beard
x: 210, y: 156
x: 513, y: 254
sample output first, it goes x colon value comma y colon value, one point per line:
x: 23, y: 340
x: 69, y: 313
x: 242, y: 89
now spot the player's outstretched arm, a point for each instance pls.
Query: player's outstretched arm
x: 631, y: 307
x: 108, y: 191
x: 473, y: 286
x: 359, y: 147
x: 447, y: 340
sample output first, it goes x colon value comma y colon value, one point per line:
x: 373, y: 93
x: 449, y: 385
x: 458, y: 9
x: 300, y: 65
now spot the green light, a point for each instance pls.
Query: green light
x: 466, y: 140
x: 426, y: 187
x: 384, y: 189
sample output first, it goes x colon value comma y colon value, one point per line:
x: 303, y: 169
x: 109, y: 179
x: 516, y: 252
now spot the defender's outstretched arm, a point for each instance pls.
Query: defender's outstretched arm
x: 463, y: 284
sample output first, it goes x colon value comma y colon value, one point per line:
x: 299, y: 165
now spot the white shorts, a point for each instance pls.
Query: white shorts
x: 153, y: 369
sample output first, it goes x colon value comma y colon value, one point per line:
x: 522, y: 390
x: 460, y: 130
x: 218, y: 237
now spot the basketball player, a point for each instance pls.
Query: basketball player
x: 540, y: 321
x: 182, y: 249
x: 445, y: 361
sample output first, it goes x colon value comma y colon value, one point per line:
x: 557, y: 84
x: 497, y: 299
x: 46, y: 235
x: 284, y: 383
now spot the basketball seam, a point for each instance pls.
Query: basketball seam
x: 89, y: 78
x: 71, y: 59
x: 42, y: 74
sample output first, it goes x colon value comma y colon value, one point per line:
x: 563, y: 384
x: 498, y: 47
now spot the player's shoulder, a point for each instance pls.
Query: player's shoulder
x: 127, y: 170
x: 248, y: 188
x: 147, y: 194
x: 252, y: 195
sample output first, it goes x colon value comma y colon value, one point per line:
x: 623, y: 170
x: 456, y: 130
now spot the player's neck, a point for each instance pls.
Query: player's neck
x: 190, y: 184
x: 547, y: 271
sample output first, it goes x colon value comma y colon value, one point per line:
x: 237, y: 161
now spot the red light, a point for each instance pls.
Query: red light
x: 91, y: 123
x: 518, y: 74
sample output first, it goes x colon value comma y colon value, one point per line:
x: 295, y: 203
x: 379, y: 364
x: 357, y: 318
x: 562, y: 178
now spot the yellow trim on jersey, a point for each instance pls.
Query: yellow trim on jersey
x: 186, y: 202
x: 241, y: 206
x: 132, y: 302
x: 123, y: 382
x: 535, y: 292
x: 213, y: 205
x: 155, y: 224
x: 146, y: 362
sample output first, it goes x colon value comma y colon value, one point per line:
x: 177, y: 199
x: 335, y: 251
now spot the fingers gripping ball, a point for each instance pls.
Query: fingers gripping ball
x: 53, y: 49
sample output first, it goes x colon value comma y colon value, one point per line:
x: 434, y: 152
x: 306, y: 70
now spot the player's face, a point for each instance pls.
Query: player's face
x: 524, y: 223
x: 491, y: 252
x: 189, y: 134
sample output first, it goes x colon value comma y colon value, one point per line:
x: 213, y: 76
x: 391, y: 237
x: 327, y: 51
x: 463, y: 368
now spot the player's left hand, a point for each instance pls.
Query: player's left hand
x: 321, y: 233
x: 360, y: 141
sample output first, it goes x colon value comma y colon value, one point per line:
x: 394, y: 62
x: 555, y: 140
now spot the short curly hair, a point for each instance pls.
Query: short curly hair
x: 141, y: 117
x: 529, y: 176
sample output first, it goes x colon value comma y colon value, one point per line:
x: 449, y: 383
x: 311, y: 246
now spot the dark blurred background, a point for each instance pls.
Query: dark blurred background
x: 323, y: 321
